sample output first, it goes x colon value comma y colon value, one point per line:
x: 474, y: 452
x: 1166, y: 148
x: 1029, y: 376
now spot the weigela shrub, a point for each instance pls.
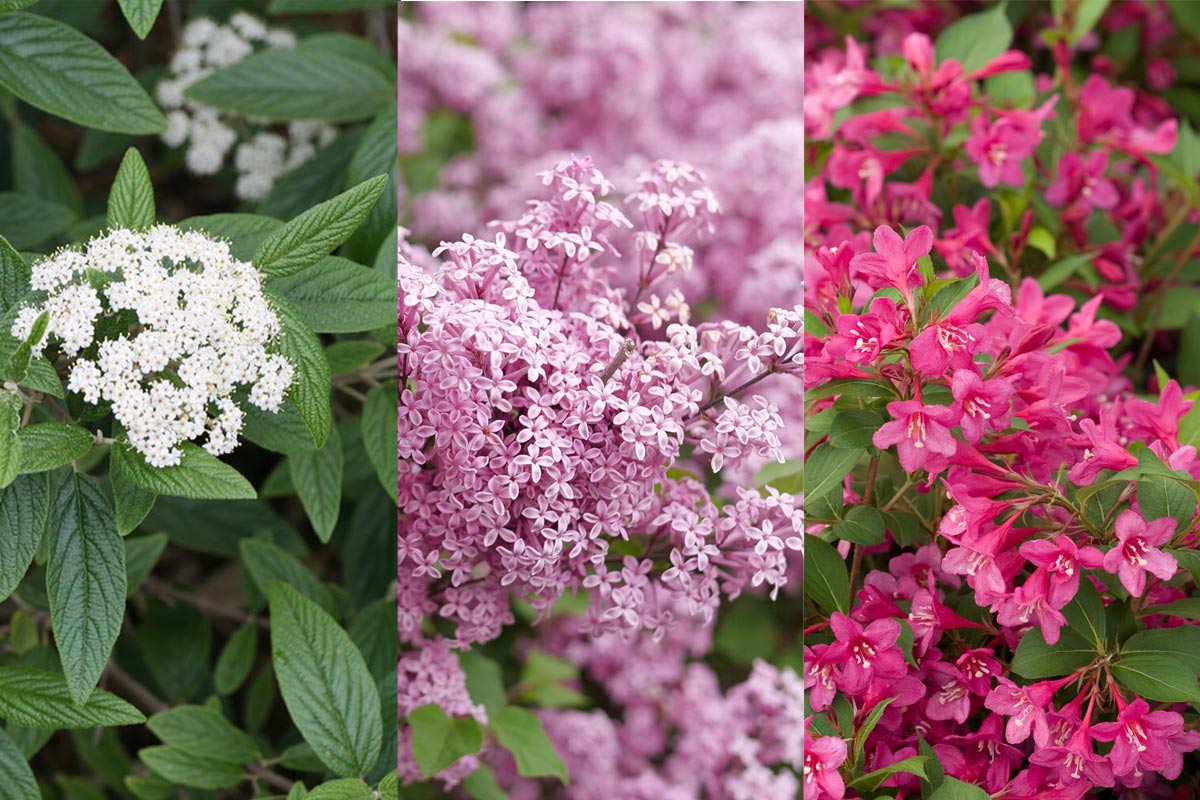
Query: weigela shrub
x: 544, y: 438
x: 1001, y: 505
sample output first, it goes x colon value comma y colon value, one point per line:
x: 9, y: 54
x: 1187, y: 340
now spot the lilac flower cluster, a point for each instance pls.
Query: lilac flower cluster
x: 539, y: 432
x: 716, y: 84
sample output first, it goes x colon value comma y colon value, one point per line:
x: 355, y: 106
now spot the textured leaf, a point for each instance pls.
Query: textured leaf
x: 85, y: 582
x: 336, y: 295
x: 203, y: 732
x: 439, y: 740
x: 325, y: 684
x: 54, y: 67
x: 37, y: 699
x: 342, y: 789
x: 1181, y: 643
x: 140, y: 14
x: 39, y: 172
x: 26, y: 221
x: 825, y: 470
x: 266, y: 563
x: 14, y: 276
x: 520, y: 732
x: 236, y: 660
x: 184, y: 768
x: 310, y: 391
x: 131, y: 199
x: 10, y: 443
x: 141, y: 554
x: 49, y: 445
x: 24, y: 506
x: 317, y: 477
x: 283, y: 85
x: 199, y: 475
x: 379, y: 421
x: 132, y: 502
x: 176, y: 644
x: 315, y: 233
x: 16, y: 778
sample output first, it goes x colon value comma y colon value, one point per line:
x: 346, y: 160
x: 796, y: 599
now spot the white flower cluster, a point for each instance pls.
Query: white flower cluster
x: 199, y: 327
x: 261, y: 155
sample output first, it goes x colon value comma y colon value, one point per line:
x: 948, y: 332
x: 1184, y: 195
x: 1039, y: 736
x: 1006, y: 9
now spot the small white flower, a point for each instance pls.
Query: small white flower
x: 203, y: 330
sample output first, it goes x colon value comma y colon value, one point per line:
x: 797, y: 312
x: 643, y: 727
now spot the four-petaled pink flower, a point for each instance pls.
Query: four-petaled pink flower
x: 1137, y: 553
x: 921, y: 434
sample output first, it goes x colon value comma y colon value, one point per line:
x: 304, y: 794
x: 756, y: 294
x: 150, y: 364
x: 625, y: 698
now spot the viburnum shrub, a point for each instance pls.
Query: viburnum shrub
x: 197, y: 423
x: 563, y: 441
x: 1001, y: 494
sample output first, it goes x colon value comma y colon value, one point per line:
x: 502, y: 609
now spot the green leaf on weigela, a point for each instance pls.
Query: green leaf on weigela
x: 1181, y: 643
x: 85, y: 582
x: 38, y: 699
x: 520, y: 732
x: 199, y: 475
x: 131, y: 199
x: 325, y: 683
x: 954, y: 789
x: 439, y: 740
x: 1157, y: 677
x: 236, y: 659
x: 203, y: 732
x: 379, y: 421
x: 826, y: 580
x: 863, y: 525
x: 975, y: 39
x: 24, y: 508
x: 54, y: 67
x: 140, y: 14
x: 317, y: 477
x: 1037, y: 660
x: 50, y: 445
x: 826, y: 468
x: 315, y: 233
x: 914, y: 765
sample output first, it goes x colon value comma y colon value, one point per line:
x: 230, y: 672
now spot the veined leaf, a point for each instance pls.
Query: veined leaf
x: 37, y: 699
x: 336, y: 295
x: 24, y: 507
x: 310, y: 391
x: 379, y: 421
x: 440, y: 740
x: 49, y: 445
x: 131, y: 199
x: 203, y: 732
x: 198, y: 476
x: 140, y: 14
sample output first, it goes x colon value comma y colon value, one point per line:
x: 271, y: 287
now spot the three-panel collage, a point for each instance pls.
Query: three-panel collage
x: 599, y: 400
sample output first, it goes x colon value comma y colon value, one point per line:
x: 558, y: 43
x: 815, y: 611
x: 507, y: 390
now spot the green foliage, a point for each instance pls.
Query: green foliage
x: 255, y: 628
x: 439, y: 741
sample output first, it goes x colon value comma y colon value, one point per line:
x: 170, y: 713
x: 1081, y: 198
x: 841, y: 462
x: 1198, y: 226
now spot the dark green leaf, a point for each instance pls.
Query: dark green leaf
x: 85, y: 582
x: 140, y: 14
x: 236, y: 660
x: 335, y: 295
x: 24, y: 507
x: 342, y: 789
x: 862, y: 525
x: 283, y: 85
x: 310, y: 391
x: 826, y: 469
x: 131, y: 199
x: 976, y: 39
x: 1157, y: 677
x: 379, y: 422
x: 325, y: 684
x: 203, y: 732
x: 39, y: 172
x: 317, y: 477
x: 37, y: 699
x: 826, y: 579
x: 199, y: 475
x: 49, y: 445
x: 54, y: 67
x: 267, y: 563
x: 186, y: 769
x: 16, y: 778
x: 27, y: 221
x: 141, y: 554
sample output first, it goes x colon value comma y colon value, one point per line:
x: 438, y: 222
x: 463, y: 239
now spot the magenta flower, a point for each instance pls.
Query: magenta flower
x: 1140, y: 738
x: 1025, y: 707
x: 999, y: 148
x: 1137, y: 553
x: 894, y: 262
x: 921, y: 434
x: 984, y: 404
x: 1077, y: 765
x: 866, y: 653
x: 1082, y: 184
x: 860, y: 338
x: 949, y: 696
x: 1063, y: 560
x: 822, y: 757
